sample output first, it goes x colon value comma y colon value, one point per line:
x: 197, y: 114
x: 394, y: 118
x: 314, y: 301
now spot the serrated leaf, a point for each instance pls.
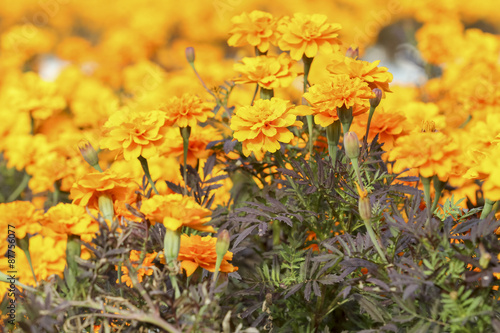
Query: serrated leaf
x: 373, y: 311
x: 317, y: 290
x: 330, y: 279
x: 294, y: 289
x: 307, y: 291
x: 244, y: 234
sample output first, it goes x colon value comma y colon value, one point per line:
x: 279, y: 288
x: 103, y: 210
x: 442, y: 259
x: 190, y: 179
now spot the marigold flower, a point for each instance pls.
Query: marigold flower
x: 86, y: 191
x: 433, y: 153
x: 376, y: 77
x: 488, y: 169
x: 197, y: 251
x: 308, y: 34
x: 258, y: 29
x: 262, y: 126
x: 187, y: 110
x: 176, y: 211
x: 69, y: 219
x: 269, y: 72
x: 136, y: 133
x: 143, y: 270
x: 341, y: 91
x: 23, y: 215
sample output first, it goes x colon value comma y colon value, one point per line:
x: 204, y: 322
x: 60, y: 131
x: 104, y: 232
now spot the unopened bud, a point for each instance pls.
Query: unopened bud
x: 222, y: 244
x: 88, y: 152
x: 171, y: 245
x: 365, y: 209
x: 375, y: 101
x: 190, y: 54
x: 351, y: 145
x: 352, y: 53
x: 106, y: 206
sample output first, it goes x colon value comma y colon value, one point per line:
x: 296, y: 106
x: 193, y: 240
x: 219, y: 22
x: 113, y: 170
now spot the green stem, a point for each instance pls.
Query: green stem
x: 307, y: 67
x: 173, y: 279
x: 20, y: 188
x: 426, y: 181
x: 438, y: 189
x: 255, y: 94
x: 375, y: 240
x: 24, y: 245
x: 355, y: 165
x: 185, y: 133
x: 145, y: 168
x: 488, y: 205
x: 5, y: 278
x: 333, y: 138
x: 370, y: 115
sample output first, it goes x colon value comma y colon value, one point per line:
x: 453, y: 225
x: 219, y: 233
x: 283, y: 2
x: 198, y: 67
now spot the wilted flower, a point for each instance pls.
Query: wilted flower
x: 309, y: 34
x: 197, y: 251
x: 269, y: 72
x: 258, y: 29
x: 176, y: 211
x: 264, y: 125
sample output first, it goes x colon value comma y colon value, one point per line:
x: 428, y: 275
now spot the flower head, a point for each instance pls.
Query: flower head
x: 187, y: 110
x: 264, y: 125
x: 197, y: 251
x: 308, y: 34
x: 176, y: 211
x: 268, y: 71
x: 376, y: 77
x: 136, y: 133
x: 258, y: 29
x: 87, y: 190
x: 69, y: 219
x: 23, y: 216
x: 341, y: 91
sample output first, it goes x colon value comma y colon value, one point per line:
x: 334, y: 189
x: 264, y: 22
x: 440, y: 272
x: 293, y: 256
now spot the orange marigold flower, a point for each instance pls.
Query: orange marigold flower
x: 308, y: 34
x: 269, y: 72
x: 258, y: 29
x: 376, y: 77
x: 69, y: 219
x: 23, y: 215
x: 176, y: 211
x: 262, y: 126
x: 388, y: 124
x: 341, y: 91
x: 87, y: 190
x: 433, y: 153
x: 488, y: 168
x: 197, y: 251
x: 143, y: 269
x: 136, y: 133
x: 187, y: 110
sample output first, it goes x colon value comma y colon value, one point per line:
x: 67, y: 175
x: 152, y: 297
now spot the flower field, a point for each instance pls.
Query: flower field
x: 249, y: 166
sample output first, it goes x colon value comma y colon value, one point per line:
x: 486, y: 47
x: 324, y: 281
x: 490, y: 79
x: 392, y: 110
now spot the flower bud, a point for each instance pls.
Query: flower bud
x: 171, y: 245
x: 352, y: 53
x: 190, y: 54
x: 222, y: 244
x: 351, y: 145
x: 106, y: 207
x: 365, y: 209
x: 375, y: 101
x: 88, y: 152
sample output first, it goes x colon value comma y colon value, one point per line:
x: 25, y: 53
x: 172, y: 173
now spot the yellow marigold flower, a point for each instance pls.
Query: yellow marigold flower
x: 87, y: 190
x: 376, y: 77
x: 262, y: 126
x: 198, y: 140
x: 187, y: 110
x: 433, y: 153
x: 176, y: 211
x: 35, y: 96
x: 22, y: 216
x: 269, y: 72
x: 308, y: 34
x: 441, y: 42
x: 258, y: 29
x: 197, y: 251
x: 69, y: 219
x: 143, y: 269
x: 488, y: 169
x: 136, y: 133
x: 341, y: 91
